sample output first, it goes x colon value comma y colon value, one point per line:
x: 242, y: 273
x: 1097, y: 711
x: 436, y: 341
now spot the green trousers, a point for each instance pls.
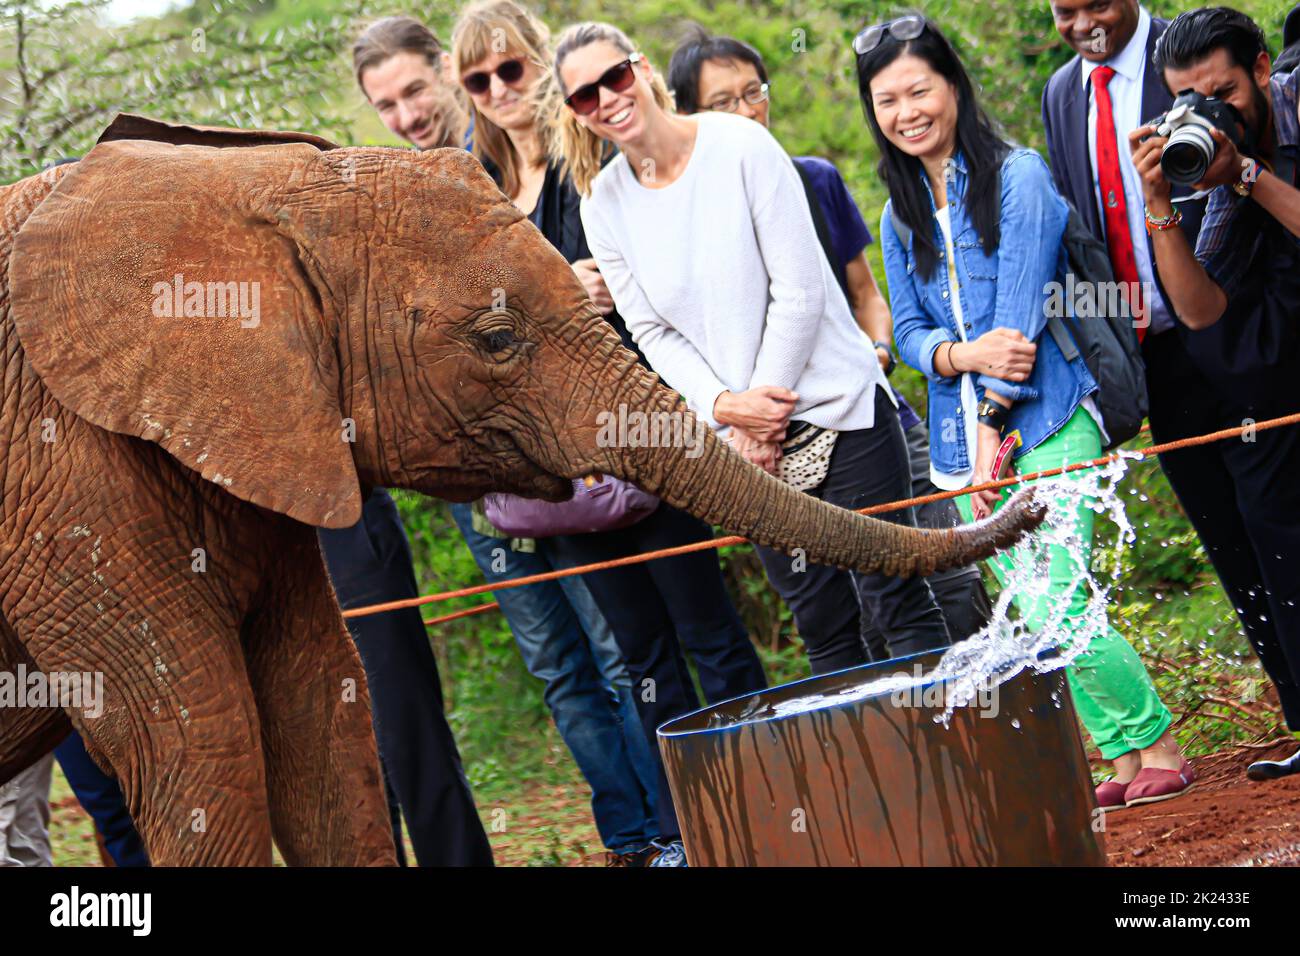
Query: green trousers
x: 1113, y: 693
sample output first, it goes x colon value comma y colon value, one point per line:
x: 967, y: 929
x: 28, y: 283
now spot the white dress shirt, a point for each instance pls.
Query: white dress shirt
x: 1125, y: 89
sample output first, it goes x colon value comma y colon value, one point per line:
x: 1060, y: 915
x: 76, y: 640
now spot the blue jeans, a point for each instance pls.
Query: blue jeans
x: 565, y: 641
x: 101, y: 797
x: 660, y: 609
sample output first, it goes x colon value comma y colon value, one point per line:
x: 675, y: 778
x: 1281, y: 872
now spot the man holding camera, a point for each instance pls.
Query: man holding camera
x: 1235, y: 293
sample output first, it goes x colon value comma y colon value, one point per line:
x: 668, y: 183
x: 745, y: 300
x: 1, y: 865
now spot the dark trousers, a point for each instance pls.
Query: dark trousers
x: 1242, y: 496
x: 369, y: 563
x: 656, y: 610
x: 101, y: 797
x: 959, y: 591
x: 868, y: 466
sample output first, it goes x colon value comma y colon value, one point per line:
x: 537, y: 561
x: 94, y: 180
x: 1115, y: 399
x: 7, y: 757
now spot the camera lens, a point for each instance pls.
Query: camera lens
x: 1187, y: 155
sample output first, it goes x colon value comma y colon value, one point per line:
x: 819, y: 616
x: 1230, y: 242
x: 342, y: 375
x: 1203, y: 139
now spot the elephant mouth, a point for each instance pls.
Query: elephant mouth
x: 522, y: 475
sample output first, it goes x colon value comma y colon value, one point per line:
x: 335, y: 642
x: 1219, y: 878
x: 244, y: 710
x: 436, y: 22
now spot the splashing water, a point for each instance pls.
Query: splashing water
x: 971, y: 669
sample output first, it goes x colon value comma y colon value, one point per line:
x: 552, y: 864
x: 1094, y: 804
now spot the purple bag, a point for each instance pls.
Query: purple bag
x: 609, y: 504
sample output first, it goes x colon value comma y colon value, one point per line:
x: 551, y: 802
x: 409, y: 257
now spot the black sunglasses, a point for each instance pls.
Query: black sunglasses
x: 617, y: 78
x: 903, y: 29
x: 510, y: 72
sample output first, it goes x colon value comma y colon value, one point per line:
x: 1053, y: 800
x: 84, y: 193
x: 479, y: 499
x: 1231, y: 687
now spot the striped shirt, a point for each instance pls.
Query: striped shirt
x: 1222, y: 259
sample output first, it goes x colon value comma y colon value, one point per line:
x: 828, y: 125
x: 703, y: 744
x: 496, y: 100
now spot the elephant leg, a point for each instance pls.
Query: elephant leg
x: 175, y: 721
x: 26, y: 733
x: 189, y: 760
x: 324, y: 782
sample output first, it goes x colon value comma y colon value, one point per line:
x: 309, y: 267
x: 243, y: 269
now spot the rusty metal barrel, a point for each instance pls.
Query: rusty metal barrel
x: 819, y: 773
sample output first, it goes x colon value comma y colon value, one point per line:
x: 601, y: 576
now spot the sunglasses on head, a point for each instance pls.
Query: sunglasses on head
x: 618, y: 78
x: 511, y: 71
x: 903, y: 29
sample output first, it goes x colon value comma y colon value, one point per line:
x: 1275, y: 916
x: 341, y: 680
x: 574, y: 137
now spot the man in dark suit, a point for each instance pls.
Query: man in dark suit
x: 1089, y: 107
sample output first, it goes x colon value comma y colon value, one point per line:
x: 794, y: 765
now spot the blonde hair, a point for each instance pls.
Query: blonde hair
x: 582, y: 151
x: 482, y: 30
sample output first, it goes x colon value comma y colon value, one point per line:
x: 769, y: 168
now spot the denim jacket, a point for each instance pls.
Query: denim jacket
x: 1008, y: 289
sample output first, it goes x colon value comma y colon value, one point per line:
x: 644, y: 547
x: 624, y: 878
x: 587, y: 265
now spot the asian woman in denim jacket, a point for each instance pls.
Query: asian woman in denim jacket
x: 969, y: 265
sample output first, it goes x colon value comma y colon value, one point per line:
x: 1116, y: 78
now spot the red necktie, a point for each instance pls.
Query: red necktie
x: 1119, y: 242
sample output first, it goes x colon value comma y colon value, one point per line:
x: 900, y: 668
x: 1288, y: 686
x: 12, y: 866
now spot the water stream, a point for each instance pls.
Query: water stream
x: 971, y: 670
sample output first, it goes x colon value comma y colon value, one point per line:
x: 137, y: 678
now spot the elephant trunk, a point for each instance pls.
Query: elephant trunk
x: 720, y: 487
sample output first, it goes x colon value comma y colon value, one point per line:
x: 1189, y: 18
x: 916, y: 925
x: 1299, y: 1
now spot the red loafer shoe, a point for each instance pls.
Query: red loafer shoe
x: 1110, y: 795
x: 1152, y: 785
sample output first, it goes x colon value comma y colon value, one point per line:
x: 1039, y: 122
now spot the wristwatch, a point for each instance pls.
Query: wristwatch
x: 992, y: 414
x: 1249, y: 174
x: 889, y: 369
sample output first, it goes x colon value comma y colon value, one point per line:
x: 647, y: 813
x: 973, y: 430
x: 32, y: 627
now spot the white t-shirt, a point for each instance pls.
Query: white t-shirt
x: 722, y: 282
x: 951, y: 481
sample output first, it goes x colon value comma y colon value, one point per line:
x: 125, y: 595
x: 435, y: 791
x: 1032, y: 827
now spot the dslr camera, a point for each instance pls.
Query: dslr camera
x: 1187, y: 125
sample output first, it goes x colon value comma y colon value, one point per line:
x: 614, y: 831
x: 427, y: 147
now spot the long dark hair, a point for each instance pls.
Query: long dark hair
x: 978, y: 138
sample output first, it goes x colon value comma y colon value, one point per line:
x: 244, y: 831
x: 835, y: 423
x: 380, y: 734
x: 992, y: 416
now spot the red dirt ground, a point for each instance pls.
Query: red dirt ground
x: 1225, y: 820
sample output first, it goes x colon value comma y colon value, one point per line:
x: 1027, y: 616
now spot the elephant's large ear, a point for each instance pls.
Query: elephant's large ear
x: 163, y: 291
x: 134, y: 126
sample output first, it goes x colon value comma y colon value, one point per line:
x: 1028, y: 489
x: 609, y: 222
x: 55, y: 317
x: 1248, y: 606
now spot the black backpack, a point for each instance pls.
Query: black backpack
x: 1108, y: 344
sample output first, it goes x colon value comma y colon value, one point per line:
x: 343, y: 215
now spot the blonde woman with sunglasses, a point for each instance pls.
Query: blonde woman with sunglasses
x: 656, y: 610
x: 702, y: 231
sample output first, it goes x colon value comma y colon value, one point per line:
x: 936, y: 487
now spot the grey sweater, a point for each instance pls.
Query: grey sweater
x: 722, y: 282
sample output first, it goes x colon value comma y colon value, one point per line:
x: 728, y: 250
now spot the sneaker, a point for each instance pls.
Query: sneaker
x: 632, y: 858
x: 670, y: 854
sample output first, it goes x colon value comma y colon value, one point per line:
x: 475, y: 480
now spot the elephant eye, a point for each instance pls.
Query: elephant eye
x: 497, y: 341
x: 496, y: 334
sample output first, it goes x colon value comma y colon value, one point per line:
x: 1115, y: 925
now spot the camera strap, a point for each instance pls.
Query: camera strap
x: 1284, y: 165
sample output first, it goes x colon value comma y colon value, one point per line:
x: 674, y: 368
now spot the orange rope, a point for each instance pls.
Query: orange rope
x: 729, y: 540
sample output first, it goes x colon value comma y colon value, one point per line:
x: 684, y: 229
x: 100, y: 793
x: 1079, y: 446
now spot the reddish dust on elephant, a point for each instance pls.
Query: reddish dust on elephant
x: 213, y: 340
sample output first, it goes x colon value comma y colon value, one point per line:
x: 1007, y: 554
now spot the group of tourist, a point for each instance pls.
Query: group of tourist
x: 739, y: 275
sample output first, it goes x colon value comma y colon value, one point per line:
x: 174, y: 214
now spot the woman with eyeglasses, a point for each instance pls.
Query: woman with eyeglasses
x: 658, y: 609
x: 972, y: 237
x: 702, y: 231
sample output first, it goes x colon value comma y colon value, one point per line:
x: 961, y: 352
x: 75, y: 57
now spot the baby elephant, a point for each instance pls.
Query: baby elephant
x: 212, y: 340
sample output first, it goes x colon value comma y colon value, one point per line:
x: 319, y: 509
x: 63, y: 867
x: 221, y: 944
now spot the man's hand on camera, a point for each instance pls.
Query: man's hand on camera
x: 1146, y: 159
x: 1227, y: 166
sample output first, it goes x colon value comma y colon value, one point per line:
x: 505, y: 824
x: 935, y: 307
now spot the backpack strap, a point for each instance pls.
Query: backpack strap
x: 901, y: 229
x: 823, y: 229
x: 1063, y: 339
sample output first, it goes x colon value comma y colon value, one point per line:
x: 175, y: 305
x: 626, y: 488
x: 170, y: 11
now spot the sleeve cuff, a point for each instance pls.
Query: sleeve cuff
x: 928, y: 345
x: 1009, y: 390
x: 707, y: 413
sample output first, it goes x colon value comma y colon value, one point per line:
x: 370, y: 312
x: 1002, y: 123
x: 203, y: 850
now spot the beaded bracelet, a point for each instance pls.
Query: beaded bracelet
x: 1161, y: 223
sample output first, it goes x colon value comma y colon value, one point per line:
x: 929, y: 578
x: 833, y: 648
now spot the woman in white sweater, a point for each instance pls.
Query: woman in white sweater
x: 703, y: 235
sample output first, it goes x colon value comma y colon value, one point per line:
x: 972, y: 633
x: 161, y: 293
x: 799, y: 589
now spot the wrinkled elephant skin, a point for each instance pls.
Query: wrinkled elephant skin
x: 213, y: 341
